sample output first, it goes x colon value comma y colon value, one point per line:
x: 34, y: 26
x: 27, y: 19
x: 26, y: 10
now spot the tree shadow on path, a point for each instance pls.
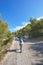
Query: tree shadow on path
x: 13, y: 50
x: 38, y: 64
x: 38, y: 47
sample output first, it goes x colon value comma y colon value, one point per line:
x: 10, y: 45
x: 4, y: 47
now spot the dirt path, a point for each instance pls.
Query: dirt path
x: 11, y: 56
x: 29, y: 55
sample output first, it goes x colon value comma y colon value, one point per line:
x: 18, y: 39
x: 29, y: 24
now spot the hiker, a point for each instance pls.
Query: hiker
x: 21, y: 44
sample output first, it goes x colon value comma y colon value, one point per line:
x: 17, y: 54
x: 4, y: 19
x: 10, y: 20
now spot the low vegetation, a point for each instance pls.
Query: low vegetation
x: 5, y: 38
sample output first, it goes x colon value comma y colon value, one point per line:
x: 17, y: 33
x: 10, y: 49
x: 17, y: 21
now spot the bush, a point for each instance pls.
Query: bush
x: 1, y: 56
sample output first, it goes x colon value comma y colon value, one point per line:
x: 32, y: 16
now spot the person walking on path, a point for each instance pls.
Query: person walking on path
x: 21, y: 44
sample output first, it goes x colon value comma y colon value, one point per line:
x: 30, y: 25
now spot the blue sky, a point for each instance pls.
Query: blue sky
x: 18, y: 12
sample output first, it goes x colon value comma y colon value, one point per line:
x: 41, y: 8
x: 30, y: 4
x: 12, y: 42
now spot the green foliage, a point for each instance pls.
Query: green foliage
x: 3, y: 27
x: 4, y: 31
x: 24, y: 31
x: 1, y: 56
x: 8, y: 34
x: 5, y: 37
x: 35, y: 29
